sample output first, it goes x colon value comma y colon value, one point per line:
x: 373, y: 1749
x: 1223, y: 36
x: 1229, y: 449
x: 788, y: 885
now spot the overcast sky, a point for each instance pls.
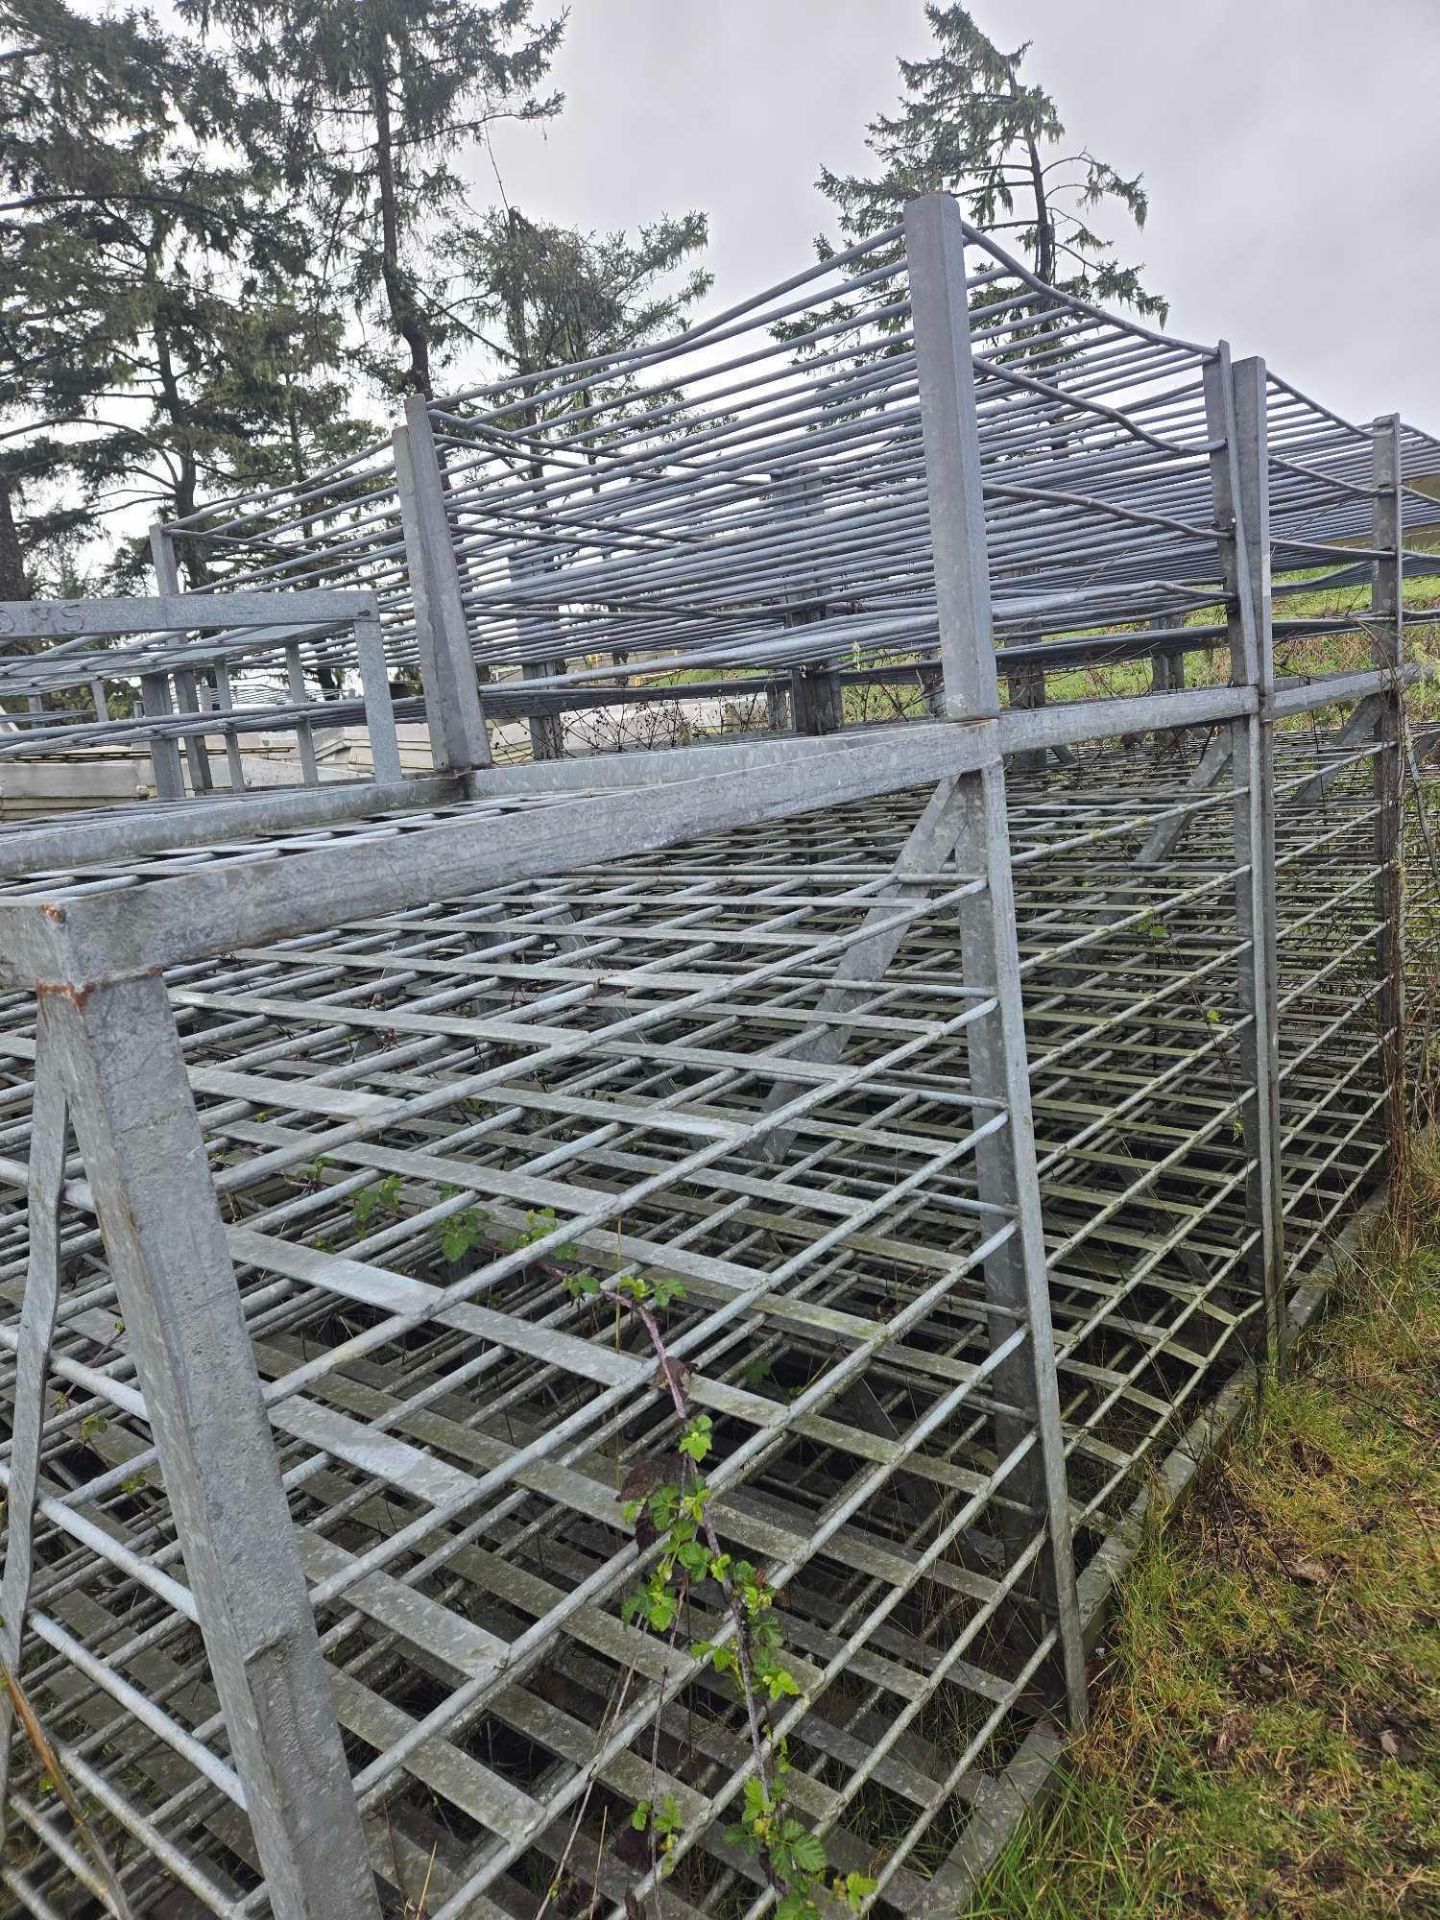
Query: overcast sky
x: 1290, y: 149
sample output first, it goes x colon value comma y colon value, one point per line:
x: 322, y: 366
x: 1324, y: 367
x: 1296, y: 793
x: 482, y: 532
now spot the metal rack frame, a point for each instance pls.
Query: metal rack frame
x: 984, y: 1102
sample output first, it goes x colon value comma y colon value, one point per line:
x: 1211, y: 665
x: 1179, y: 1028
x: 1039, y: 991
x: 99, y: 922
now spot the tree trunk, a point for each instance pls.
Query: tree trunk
x: 13, y: 582
x: 1044, y: 227
x: 186, y: 490
x: 405, y: 314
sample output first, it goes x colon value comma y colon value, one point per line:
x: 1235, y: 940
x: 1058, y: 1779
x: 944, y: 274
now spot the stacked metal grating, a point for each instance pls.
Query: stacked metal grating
x: 189, y: 679
x: 941, y: 1106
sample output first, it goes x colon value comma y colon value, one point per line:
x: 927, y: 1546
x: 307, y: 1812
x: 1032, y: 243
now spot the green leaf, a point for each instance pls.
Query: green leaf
x: 457, y: 1237
x: 694, y: 1558
x: 806, y: 1849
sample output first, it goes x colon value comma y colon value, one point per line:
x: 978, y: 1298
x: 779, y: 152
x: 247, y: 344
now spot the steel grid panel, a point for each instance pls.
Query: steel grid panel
x: 451, y: 1466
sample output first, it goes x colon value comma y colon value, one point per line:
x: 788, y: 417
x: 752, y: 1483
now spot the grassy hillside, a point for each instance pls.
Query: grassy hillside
x: 1268, y: 1738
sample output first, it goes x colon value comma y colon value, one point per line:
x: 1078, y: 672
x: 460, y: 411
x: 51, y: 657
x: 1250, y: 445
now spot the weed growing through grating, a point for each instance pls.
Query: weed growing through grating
x: 672, y: 1514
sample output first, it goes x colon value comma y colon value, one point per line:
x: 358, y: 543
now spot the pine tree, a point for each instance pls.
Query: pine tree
x: 162, y: 334
x: 969, y: 124
x: 534, y: 295
x: 375, y: 98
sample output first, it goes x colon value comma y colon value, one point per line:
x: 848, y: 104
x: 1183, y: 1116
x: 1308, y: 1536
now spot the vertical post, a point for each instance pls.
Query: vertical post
x: 1027, y: 689
x: 167, y: 579
x: 162, y: 558
x: 1016, y: 1276
x: 453, y: 712
x: 234, y: 761
x: 547, y: 730
x: 1235, y: 402
x: 140, y: 1140
x: 1167, y: 675
x: 1167, y: 670
x: 816, y: 704
x: 379, y: 707
x: 1388, y: 627
x: 196, y: 758
x: 304, y: 732
x: 932, y: 686
x: 815, y: 698
x: 935, y: 249
x: 27, y: 1418
x: 156, y: 704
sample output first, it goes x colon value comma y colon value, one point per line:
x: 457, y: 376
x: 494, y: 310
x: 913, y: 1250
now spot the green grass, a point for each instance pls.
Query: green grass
x: 1327, y: 653
x: 1267, y: 1738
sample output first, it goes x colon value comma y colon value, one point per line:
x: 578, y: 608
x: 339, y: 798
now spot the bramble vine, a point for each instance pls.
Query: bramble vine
x: 674, y: 1514
x: 667, y: 1504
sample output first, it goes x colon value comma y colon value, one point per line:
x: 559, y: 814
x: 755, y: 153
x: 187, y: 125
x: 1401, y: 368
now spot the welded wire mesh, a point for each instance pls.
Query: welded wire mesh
x: 420, y: 1126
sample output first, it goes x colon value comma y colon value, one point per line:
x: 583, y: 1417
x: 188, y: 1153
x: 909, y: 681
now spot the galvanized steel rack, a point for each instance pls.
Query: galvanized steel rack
x: 984, y: 1079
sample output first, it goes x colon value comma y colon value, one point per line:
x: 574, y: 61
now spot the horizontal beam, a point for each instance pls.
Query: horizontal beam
x: 1338, y: 689
x: 179, y: 613
x: 659, y: 766
x: 77, y: 940
x: 133, y: 832
x: 1067, y: 722
x: 621, y: 804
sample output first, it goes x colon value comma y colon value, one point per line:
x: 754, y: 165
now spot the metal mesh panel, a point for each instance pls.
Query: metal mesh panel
x: 420, y: 1125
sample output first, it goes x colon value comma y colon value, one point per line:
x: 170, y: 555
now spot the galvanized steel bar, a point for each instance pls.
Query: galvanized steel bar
x: 116, y: 1052
x: 1017, y: 1290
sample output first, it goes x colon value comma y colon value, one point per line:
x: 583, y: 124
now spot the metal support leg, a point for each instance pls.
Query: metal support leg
x: 196, y: 759
x: 140, y: 1140
x: 815, y: 699
x: 1167, y: 675
x: 167, y: 580
x: 453, y: 712
x: 547, y: 730
x: 1235, y: 400
x: 156, y: 704
x: 1388, y: 628
x: 932, y: 686
x: 304, y: 732
x: 379, y: 707
x: 816, y: 702
x: 1027, y: 689
x: 1167, y: 670
x: 1017, y: 1291
x: 37, y: 1326
x: 234, y: 760
x: 527, y: 570
x: 1017, y: 1277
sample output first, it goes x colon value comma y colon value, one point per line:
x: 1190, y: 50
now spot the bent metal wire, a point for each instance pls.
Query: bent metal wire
x: 985, y: 1080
